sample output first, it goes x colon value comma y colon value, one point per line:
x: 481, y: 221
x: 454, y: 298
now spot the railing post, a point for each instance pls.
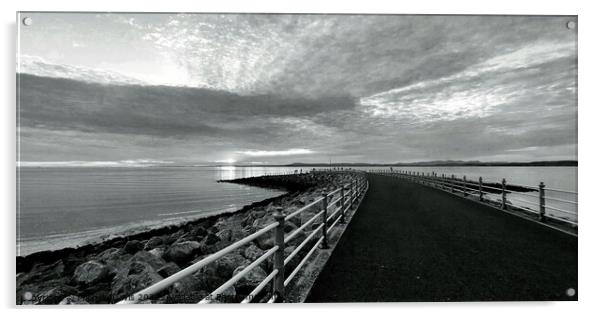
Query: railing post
x: 480, y: 188
x: 453, y: 183
x: 542, y: 202
x: 351, y: 193
x: 503, y: 193
x: 325, y: 220
x: 343, y: 203
x: 279, y: 255
x: 464, y: 185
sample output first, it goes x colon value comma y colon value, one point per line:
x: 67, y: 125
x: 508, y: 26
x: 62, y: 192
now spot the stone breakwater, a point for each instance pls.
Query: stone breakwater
x: 111, y: 270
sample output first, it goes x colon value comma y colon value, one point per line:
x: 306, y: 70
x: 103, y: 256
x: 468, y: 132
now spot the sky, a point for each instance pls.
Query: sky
x: 143, y: 89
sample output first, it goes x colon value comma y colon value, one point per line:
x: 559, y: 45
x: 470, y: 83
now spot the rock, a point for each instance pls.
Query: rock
x: 199, y: 232
x: 297, y: 239
x: 248, y: 282
x: 221, y: 224
x: 289, y: 226
x: 210, y: 239
x: 91, y: 272
x: 247, y: 220
x: 252, y: 252
x: 258, y: 213
x: 54, y: 295
x: 262, y: 222
x: 187, y: 290
x: 265, y: 241
x: 133, y: 278
x: 73, y: 300
x: 158, y: 252
x: 40, y: 273
x: 168, y: 269
x: 153, y: 242
x: 145, y: 256
x: 182, y: 252
x: 112, y: 257
x: 133, y: 246
x: 216, y: 273
x: 225, y: 235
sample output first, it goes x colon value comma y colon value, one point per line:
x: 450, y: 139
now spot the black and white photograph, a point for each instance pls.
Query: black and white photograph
x: 287, y: 158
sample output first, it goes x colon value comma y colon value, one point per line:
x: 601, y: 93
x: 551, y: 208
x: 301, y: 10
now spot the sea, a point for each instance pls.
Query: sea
x: 60, y: 207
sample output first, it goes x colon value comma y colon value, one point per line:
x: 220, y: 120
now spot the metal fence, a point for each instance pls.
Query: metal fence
x: 541, y: 201
x: 334, y: 207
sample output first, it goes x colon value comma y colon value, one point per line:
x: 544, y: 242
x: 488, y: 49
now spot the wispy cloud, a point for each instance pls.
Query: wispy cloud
x: 124, y: 163
x: 346, y: 87
x: 289, y: 152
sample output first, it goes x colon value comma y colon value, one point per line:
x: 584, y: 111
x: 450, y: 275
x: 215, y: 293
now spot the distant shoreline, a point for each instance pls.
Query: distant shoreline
x: 565, y: 163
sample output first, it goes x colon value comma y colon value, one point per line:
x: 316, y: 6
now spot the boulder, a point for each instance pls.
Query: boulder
x: 133, y: 246
x: 252, y: 252
x: 260, y: 223
x: 182, y: 252
x: 216, y: 273
x: 40, y: 273
x: 221, y: 224
x: 247, y: 220
x: 210, y: 239
x: 289, y: 226
x: 168, y: 269
x: 225, y: 235
x: 145, y: 256
x: 297, y: 239
x: 132, y: 278
x: 186, y: 290
x: 199, y: 232
x: 91, y: 272
x: 54, y: 295
x: 152, y: 243
x: 158, y: 252
x: 265, y: 241
x: 248, y: 282
x: 113, y: 257
x: 73, y: 300
x: 258, y: 213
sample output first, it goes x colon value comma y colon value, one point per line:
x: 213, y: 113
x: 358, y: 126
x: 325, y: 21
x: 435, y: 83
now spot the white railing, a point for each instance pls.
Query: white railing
x: 540, y: 203
x: 331, y: 207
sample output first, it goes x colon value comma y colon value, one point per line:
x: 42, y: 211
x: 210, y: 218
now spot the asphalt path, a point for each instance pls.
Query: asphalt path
x: 408, y: 242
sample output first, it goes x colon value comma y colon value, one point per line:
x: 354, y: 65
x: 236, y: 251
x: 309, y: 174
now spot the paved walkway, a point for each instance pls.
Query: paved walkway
x: 408, y: 242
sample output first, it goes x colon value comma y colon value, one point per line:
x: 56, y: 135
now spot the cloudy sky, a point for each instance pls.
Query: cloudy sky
x: 143, y: 88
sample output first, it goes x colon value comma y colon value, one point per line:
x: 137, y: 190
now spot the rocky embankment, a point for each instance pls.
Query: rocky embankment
x: 109, y: 271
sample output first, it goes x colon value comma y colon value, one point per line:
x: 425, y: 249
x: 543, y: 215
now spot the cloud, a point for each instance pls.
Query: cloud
x: 262, y: 153
x: 368, y: 88
x: 124, y: 163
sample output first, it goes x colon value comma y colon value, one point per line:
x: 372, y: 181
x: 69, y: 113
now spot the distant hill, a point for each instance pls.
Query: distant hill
x: 449, y: 163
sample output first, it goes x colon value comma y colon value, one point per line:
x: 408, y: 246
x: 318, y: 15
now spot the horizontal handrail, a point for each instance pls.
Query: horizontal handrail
x: 298, y: 230
x: 347, y: 198
x: 562, y: 200
x: 239, y: 275
x: 562, y: 191
x: 302, y: 244
x: 260, y: 287
x: 168, y: 281
x: 479, y: 189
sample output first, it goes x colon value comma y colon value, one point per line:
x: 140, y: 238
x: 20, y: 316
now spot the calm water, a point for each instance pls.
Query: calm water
x: 60, y: 207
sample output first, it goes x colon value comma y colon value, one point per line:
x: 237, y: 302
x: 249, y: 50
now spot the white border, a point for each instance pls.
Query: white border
x: 589, y: 155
